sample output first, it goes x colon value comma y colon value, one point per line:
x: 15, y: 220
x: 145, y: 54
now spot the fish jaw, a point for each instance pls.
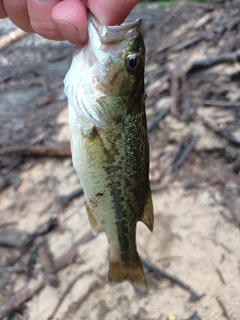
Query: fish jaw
x: 98, y: 85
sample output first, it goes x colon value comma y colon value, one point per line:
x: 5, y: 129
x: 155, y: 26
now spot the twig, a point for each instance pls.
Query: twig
x: 17, y: 239
x: 187, y: 151
x: 11, y: 38
x: 64, y: 200
x: 235, y: 165
x: 175, y: 93
x: 227, y: 135
x: 231, y: 220
x: 47, y: 263
x: 185, y: 96
x: 224, y: 133
x: 37, y: 151
x: 4, y: 184
x: 12, y: 238
x: 217, y: 103
x: 76, y: 305
x: 163, y: 274
x: 195, y: 39
x: 193, y: 27
x: 13, y: 302
x: 213, y: 61
x: 68, y: 289
x: 222, y: 306
x: 158, y: 118
x: 218, y: 243
x: 9, y: 223
x: 220, y: 275
x: 194, y: 317
x: 71, y: 253
x: 17, y: 269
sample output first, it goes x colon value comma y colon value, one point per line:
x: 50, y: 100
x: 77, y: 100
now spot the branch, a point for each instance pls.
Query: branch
x: 163, y: 274
x: 217, y: 103
x: 36, y: 284
x: 13, y: 238
x: 213, y: 61
x: 12, y: 37
x: 187, y: 151
x: 37, y: 151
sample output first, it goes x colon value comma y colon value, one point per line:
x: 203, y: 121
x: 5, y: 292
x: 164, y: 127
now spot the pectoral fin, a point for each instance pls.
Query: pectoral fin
x: 147, y: 217
x: 93, y: 221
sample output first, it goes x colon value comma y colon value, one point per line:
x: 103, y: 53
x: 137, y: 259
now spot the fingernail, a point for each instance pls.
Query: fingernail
x: 44, y: 1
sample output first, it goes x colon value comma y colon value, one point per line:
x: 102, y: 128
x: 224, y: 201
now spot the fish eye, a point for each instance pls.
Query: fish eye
x: 133, y: 62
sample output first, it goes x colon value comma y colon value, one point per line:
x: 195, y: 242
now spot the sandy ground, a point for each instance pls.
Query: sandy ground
x: 191, y: 240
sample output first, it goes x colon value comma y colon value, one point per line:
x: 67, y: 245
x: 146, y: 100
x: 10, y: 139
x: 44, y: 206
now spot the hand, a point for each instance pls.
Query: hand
x: 64, y: 19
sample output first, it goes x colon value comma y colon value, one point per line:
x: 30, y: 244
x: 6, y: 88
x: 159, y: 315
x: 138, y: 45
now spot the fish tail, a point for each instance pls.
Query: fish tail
x: 132, y: 271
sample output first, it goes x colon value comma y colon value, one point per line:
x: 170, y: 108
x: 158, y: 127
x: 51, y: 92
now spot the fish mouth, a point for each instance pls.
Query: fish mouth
x: 115, y: 34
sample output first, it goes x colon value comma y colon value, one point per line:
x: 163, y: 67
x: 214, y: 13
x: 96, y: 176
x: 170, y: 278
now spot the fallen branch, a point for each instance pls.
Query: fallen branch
x: 231, y: 220
x: 64, y: 200
x: 220, y: 275
x: 217, y: 103
x: 15, y: 269
x: 175, y: 94
x: 158, y: 118
x: 66, y: 292
x: 13, y: 302
x: 12, y: 37
x: 194, y: 316
x: 38, y: 151
x: 46, y: 260
x: 13, y: 238
x: 194, y: 40
x: 187, y: 151
x: 34, y: 285
x: 213, y: 61
x: 224, y: 133
x: 7, y: 224
x: 163, y: 274
x: 224, y: 310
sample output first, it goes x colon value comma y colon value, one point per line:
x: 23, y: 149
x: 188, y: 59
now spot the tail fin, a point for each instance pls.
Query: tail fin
x: 120, y: 271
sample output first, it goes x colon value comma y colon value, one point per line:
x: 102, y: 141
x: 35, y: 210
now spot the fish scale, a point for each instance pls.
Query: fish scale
x: 105, y: 90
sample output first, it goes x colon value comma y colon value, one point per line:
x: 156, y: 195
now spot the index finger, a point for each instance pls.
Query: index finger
x: 40, y: 14
x: 3, y: 13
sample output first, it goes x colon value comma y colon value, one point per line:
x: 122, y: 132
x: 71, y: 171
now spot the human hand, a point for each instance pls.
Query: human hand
x: 64, y: 19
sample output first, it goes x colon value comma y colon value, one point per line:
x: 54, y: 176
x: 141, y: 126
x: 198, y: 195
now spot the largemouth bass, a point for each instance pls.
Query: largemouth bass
x: 105, y: 90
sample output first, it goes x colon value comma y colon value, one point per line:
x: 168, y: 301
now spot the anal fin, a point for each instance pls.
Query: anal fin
x: 147, y: 216
x: 93, y: 221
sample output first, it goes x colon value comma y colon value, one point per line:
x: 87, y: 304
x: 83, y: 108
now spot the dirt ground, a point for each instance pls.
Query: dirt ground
x: 193, y: 112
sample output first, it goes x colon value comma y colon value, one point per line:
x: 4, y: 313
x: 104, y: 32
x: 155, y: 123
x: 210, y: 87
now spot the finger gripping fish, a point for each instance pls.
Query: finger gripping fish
x: 105, y: 90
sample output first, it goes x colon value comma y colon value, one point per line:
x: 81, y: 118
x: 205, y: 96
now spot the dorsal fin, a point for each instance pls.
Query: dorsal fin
x: 147, y: 216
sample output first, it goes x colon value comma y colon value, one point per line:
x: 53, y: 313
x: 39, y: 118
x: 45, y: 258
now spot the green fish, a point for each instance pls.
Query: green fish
x: 109, y: 141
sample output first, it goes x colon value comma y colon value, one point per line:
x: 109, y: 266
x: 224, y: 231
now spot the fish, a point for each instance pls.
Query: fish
x: 109, y: 140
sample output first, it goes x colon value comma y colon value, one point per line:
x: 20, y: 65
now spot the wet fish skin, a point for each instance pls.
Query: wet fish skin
x: 109, y: 140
